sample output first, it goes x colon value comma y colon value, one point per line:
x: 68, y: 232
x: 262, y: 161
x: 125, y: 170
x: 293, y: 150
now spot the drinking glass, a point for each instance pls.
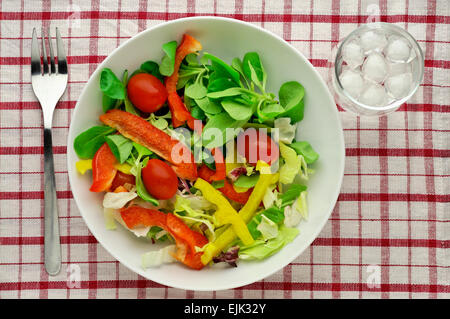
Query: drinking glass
x: 371, y: 72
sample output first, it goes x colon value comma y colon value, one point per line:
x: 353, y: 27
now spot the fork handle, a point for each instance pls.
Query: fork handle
x: 52, y: 246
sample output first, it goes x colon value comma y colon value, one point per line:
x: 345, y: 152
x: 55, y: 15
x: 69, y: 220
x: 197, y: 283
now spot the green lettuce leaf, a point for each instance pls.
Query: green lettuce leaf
x: 261, y: 249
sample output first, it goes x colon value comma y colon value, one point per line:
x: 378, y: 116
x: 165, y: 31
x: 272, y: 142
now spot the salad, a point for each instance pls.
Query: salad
x: 195, y: 153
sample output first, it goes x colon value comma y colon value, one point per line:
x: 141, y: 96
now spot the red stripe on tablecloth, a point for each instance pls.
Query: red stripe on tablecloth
x: 311, y: 35
x: 19, y: 279
x: 141, y: 15
x: 430, y: 63
x: 345, y: 129
x: 414, y: 220
x: 384, y: 188
x: 71, y: 59
x: 293, y: 263
x: 34, y: 105
x: 69, y: 120
x: 386, y: 197
x: 335, y: 225
x: 345, y: 174
x: 250, y: 17
x: 287, y: 31
x: 26, y: 150
x: 339, y: 241
x: 128, y: 36
x: 96, y: 59
x: 358, y: 138
x: 378, y: 152
x: 396, y: 152
x: 382, y: 242
x: 369, y: 197
x: 428, y: 141
x: 190, y: 8
x: 408, y: 179
x: 93, y: 51
x: 108, y: 284
x: 384, y: 205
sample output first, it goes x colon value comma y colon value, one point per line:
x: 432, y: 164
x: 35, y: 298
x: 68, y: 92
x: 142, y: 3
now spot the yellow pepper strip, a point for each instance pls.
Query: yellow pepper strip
x: 83, y: 166
x: 225, y: 213
x: 246, y: 213
x: 124, y: 168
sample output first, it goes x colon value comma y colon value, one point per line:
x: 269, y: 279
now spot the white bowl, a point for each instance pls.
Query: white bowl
x: 226, y: 38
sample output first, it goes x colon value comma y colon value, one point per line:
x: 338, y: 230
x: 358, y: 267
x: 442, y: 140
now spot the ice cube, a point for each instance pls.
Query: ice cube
x: 398, y: 49
x: 373, y: 95
x: 398, y: 86
x: 395, y: 68
x: 375, y: 68
x: 352, y: 82
x: 373, y: 41
x: 352, y: 54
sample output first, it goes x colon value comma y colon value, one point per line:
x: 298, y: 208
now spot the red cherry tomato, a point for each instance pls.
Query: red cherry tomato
x: 255, y: 145
x: 159, y: 179
x: 146, y: 92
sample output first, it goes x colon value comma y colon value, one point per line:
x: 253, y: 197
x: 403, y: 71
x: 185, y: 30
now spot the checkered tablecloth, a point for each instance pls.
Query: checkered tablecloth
x: 389, y: 234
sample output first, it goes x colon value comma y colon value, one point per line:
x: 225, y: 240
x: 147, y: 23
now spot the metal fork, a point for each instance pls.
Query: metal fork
x: 49, y: 84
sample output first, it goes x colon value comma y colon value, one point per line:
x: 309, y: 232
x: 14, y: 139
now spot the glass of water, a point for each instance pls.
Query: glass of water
x: 375, y: 69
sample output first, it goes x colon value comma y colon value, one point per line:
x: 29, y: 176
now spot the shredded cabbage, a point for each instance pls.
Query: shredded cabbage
x: 267, y: 228
x: 296, y: 212
x: 286, y: 131
x: 198, y: 203
x: 108, y: 214
x: 196, y: 215
x: 270, y: 197
x: 302, y: 205
x: 212, y: 235
x: 118, y: 200
x: 292, y: 164
x: 158, y: 257
x: 292, y: 216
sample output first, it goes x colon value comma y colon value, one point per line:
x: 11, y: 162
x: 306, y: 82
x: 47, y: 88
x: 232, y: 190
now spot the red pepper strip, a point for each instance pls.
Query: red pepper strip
x: 220, y: 173
x: 135, y: 215
x: 192, y: 238
x: 122, y: 179
x: 205, y: 173
x: 103, y: 169
x: 180, y: 113
x: 186, y: 239
x: 142, y: 132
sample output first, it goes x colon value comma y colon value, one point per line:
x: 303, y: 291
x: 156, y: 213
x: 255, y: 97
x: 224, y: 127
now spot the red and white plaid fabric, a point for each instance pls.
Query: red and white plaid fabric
x: 392, y: 220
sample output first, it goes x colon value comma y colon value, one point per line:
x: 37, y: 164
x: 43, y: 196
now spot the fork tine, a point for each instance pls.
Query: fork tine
x: 44, y: 53
x: 35, y: 55
x: 62, y: 62
x: 52, y: 57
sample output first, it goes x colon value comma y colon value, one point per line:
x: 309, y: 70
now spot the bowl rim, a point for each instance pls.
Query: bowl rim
x: 340, y: 137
